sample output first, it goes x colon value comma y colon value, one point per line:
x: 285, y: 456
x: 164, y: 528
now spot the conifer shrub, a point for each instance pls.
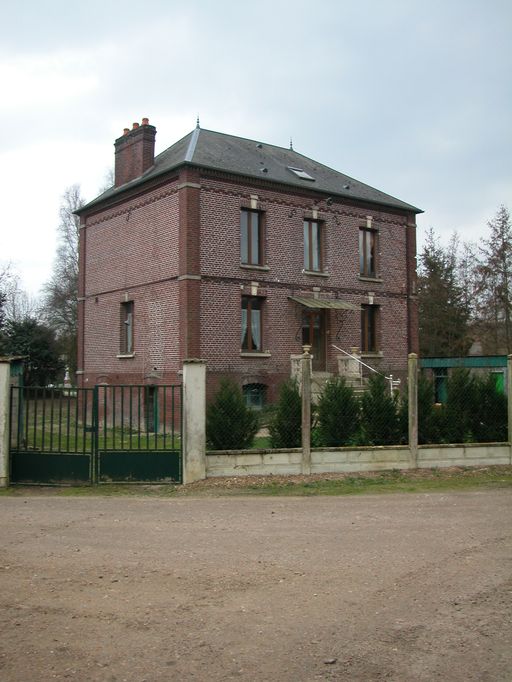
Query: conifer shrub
x: 461, y: 409
x: 430, y: 415
x: 285, y: 425
x: 490, y: 420
x: 380, y: 424
x: 230, y: 424
x: 338, y: 414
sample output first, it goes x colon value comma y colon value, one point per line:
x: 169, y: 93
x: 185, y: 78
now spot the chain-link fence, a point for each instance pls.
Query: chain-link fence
x: 376, y: 412
x: 474, y: 409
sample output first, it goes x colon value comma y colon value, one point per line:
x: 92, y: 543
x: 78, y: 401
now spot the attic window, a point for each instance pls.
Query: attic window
x: 300, y: 173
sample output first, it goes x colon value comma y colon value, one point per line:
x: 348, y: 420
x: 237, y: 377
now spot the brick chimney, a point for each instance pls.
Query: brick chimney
x: 135, y: 152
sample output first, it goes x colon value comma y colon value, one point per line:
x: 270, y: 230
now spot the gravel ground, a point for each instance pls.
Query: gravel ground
x: 389, y: 587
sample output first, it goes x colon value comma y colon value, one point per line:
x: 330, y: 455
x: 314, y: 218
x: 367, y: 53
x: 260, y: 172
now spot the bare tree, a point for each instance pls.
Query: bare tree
x: 15, y: 303
x: 494, y: 284
x: 61, y: 291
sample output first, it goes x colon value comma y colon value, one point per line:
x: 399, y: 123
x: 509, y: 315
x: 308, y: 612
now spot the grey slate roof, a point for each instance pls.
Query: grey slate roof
x: 252, y: 159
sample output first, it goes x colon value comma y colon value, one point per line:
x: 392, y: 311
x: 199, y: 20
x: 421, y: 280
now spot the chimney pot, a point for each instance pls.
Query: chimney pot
x: 135, y: 125
x: 126, y: 131
x: 145, y: 121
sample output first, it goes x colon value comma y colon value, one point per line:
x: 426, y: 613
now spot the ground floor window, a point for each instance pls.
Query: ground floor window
x: 251, y: 340
x: 126, y: 336
x: 369, y: 322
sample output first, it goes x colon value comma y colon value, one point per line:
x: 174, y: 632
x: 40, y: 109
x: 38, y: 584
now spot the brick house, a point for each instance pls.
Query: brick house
x: 239, y: 252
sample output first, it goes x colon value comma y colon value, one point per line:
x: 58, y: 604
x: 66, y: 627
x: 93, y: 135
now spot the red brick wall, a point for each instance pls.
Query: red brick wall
x: 152, y: 248
x: 224, y: 280
x: 132, y: 254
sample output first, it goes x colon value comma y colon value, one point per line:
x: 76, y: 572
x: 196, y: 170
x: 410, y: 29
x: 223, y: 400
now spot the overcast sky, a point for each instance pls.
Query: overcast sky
x: 409, y: 96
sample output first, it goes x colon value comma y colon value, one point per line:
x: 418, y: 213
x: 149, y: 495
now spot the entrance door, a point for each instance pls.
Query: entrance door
x: 313, y: 333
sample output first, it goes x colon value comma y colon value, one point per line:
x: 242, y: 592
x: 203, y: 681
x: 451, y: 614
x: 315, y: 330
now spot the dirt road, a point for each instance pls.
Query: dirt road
x: 391, y: 587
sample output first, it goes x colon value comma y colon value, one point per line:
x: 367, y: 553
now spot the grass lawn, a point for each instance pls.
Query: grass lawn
x: 394, y: 481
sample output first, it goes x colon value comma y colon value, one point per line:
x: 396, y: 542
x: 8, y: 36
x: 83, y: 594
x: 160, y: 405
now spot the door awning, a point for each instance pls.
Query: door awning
x: 324, y: 303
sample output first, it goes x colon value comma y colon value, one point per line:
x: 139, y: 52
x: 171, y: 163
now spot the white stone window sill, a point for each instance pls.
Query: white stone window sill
x: 125, y: 356
x: 248, y: 266
x: 364, y: 278
x: 372, y: 354
x: 316, y: 273
x: 266, y: 354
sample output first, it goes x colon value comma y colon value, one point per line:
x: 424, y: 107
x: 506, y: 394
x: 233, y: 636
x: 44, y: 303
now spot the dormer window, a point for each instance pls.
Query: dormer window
x: 300, y: 173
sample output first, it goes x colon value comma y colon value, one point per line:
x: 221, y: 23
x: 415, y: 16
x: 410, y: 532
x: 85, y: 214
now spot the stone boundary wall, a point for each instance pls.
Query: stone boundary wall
x: 345, y: 460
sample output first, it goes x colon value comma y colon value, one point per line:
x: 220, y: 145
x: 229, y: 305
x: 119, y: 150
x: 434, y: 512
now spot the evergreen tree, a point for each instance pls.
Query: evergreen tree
x: 490, y: 420
x: 36, y: 341
x: 338, y: 414
x: 461, y: 407
x: 286, y: 424
x: 380, y: 423
x: 443, y: 311
x: 230, y: 424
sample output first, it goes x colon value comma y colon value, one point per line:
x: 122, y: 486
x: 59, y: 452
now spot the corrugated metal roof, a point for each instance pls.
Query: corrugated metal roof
x: 471, y: 361
x: 324, y: 303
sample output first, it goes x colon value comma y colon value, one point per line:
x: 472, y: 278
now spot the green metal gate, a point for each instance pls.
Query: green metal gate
x: 96, y: 435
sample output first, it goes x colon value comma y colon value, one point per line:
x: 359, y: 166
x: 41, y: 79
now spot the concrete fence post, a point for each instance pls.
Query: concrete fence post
x: 412, y: 384
x: 509, y: 398
x: 194, y: 420
x: 305, y: 379
x: 5, y: 416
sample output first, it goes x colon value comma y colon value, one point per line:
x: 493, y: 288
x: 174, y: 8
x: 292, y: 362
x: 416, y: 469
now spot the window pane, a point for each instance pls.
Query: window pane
x: 367, y: 248
x: 126, y: 337
x: 255, y: 239
x: 256, y: 329
x: 251, y: 333
x: 244, y: 339
x: 306, y: 246
x: 315, y: 239
x: 369, y: 253
x: 369, y: 328
x: 244, y: 241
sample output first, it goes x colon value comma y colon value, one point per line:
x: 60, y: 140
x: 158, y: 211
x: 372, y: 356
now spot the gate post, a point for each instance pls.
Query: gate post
x: 5, y: 416
x: 194, y: 420
x: 509, y: 399
x: 306, y: 409
x: 413, y: 409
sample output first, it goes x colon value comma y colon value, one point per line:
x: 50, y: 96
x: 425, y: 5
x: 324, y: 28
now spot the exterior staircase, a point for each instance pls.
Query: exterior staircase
x: 348, y: 367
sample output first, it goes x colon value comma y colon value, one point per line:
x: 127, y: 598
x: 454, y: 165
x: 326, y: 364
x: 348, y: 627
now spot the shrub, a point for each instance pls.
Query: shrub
x: 490, y: 420
x: 461, y: 409
x: 337, y: 414
x: 380, y: 424
x: 230, y: 424
x: 285, y: 426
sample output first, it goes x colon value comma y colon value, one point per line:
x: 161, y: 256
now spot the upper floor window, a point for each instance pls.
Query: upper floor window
x: 251, y: 340
x: 367, y: 252
x: 313, y: 246
x: 126, y: 336
x: 251, y: 237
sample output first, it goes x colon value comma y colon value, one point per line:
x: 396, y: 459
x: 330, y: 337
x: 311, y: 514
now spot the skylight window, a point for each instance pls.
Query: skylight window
x: 300, y: 173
